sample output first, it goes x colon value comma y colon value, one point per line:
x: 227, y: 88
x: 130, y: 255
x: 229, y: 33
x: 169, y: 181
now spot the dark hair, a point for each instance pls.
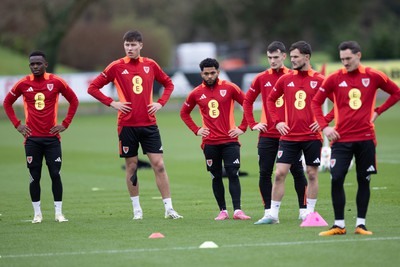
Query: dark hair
x: 302, y: 46
x: 37, y: 53
x: 275, y: 46
x: 209, y: 63
x: 132, y: 36
x: 352, y: 45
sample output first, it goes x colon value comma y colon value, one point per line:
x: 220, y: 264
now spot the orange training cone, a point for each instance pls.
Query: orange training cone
x: 313, y: 219
x: 156, y: 235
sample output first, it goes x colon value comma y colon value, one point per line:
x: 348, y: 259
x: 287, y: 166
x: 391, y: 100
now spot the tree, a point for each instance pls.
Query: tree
x: 59, y: 20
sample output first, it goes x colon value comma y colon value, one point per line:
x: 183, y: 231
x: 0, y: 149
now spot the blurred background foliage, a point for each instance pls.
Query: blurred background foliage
x: 87, y: 34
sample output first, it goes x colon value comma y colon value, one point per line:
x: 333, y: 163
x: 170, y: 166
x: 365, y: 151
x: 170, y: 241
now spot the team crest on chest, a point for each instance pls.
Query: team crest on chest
x: 222, y: 93
x: 146, y: 69
x: 365, y: 82
x: 50, y: 86
x: 313, y: 84
x: 125, y: 149
x: 29, y: 159
x: 209, y: 162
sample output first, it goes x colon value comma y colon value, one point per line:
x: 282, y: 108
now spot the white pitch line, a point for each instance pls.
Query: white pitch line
x: 312, y: 242
x: 145, y: 250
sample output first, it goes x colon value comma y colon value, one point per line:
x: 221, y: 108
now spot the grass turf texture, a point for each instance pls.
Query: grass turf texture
x: 101, y: 231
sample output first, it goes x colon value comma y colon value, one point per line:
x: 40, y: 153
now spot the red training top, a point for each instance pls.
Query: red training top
x: 263, y: 83
x: 298, y: 89
x: 40, y: 98
x: 133, y: 79
x: 354, y: 101
x: 216, y: 106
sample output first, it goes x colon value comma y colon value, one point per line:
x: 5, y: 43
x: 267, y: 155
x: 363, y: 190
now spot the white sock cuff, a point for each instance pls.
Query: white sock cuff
x: 167, y: 203
x: 340, y: 223
x: 360, y: 221
x: 136, y: 203
x: 275, y: 206
x: 58, y: 207
x: 134, y: 198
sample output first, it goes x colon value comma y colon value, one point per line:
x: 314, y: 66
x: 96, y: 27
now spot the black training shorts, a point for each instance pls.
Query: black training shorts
x: 288, y: 152
x: 147, y: 136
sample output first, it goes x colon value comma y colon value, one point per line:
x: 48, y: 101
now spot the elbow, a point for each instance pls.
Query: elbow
x: 90, y: 91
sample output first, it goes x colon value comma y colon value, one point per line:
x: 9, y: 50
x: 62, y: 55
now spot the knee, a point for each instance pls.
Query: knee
x: 363, y: 180
x: 337, y: 182
x: 232, y: 172
x: 264, y: 173
x: 216, y: 173
x: 158, y: 166
x: 54, y: 172
x: 312, y: 173
x: 131, y: 167
x: 280, y: 176
x: 35, y: 173
x: 279, y: 180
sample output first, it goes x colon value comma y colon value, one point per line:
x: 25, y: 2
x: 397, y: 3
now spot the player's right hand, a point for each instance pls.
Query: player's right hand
x: 282, y: 128
x: 124, y: 107
x: 203, y: 132
x: 331, y: 133
x: 261, y: 127
x: 24, y: 130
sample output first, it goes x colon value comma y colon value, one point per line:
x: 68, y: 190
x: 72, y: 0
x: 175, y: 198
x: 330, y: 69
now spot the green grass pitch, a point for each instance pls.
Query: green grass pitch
x: 101, y: 231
